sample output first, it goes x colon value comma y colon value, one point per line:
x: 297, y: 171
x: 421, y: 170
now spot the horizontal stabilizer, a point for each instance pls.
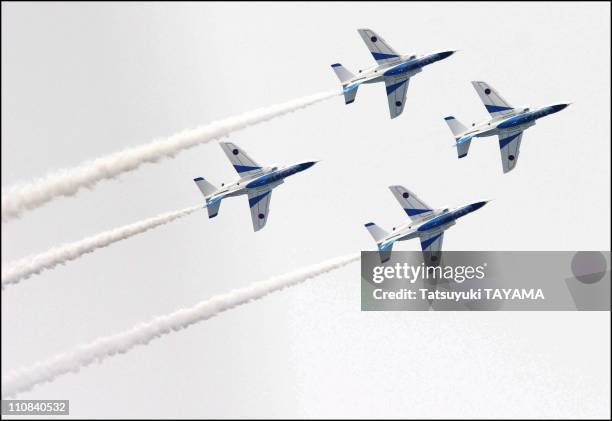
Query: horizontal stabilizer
x: 213, y: 205
x: 385, y: 255
x: 463, y: 146
x: 350, y: 93
x: 385, y: 249
x: 213, y: 208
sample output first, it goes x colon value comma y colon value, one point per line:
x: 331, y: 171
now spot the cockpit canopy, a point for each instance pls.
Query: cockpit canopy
x: 409, y: 56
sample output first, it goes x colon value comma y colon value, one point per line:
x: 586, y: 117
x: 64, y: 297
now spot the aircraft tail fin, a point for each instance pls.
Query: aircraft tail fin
x: 455, y: 125
x: 463, y: 143
x: 349, y: 91
x: 205, y: 187
x: 379, y: 235
x: 343, y: 75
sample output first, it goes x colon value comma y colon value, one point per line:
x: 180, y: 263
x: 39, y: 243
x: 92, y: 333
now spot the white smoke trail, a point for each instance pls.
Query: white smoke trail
x: 46, y: 371
x: 15, y: 271
x: 68, y: 182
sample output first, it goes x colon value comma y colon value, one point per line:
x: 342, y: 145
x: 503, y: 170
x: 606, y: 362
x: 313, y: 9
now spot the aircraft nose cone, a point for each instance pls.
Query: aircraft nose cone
x: 478, y: 205
x: 445, y: 54
x: 559, y: 107
x: 306, y: 165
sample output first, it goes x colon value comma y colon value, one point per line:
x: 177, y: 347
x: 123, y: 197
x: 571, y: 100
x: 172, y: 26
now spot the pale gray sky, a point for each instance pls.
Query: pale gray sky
x: 83, y: 80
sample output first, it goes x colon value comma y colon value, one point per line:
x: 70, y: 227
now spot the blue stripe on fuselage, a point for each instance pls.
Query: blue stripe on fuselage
x: 263, y: 180
x: 438, y: 221
x: 401, y: 68
x: 279, y: 175
x: 530, y: 116
x: 413, y: 64
x: 446, y: 218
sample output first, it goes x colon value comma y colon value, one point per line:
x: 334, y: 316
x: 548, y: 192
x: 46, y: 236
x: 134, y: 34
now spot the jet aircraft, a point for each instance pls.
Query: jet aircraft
x: 391, y: 67
x: 425, y: 223
x: 255, y: 181
x: 506, y: 122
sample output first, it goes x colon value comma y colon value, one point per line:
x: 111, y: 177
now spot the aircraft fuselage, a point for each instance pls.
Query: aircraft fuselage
x: 265, y: 180
x: 519, y: 120
x: 439, y: 220
x: 407, y: 64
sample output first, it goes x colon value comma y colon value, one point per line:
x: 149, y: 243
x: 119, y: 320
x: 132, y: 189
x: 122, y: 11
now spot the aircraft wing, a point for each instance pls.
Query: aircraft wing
x: 396, y: 93
x: 509, y: 145
x: 260, y: 206
x: 493, y: 102
x: 380, y: 50
x: 432, y: 248
x: 243, y: 163
x: 412, y: 205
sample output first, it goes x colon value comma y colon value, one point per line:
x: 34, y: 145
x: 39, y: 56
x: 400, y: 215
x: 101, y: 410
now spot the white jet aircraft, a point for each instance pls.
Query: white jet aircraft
x: 425, y: 223
x: 506, y: 122
x: 255, y: 181
x: 393, y: 68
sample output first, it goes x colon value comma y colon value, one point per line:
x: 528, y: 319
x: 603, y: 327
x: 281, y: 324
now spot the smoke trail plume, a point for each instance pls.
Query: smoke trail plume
x: 15, y: 271
x: 68, y: 182
x: 46, y: 371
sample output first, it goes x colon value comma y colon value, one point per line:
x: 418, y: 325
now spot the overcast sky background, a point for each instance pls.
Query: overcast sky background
x: 84, y: 80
